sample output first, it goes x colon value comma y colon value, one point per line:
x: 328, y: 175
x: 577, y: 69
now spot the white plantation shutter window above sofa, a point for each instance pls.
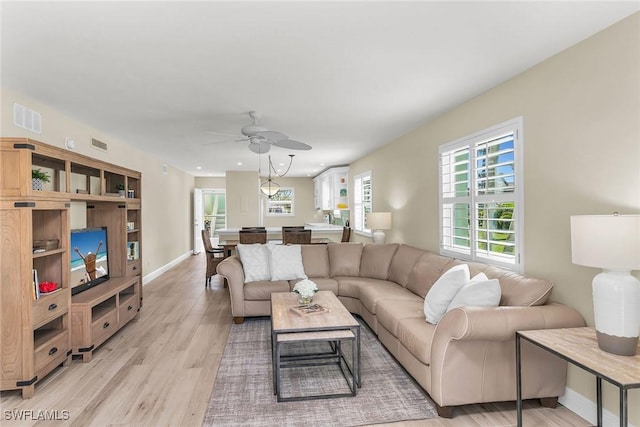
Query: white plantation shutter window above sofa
x: 481, y: 196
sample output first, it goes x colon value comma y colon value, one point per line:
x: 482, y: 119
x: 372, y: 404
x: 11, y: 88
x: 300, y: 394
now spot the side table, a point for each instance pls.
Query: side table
x: 579, y: 347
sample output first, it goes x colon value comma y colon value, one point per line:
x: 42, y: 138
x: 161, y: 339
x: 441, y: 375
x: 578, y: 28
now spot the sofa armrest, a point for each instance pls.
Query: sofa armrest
x: 501, y: 323
x: 483, y: 337
x: 231, y: 269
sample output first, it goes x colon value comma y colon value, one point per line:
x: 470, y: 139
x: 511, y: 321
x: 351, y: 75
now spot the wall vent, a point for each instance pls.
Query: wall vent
x: 99, y: 145
x: 26, y: 118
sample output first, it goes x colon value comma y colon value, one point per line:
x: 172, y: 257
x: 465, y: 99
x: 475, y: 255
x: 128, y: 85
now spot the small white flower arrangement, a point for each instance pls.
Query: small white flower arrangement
x: 305, y: 288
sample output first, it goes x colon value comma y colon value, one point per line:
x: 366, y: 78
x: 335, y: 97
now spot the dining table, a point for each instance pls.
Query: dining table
x: 230, y: 245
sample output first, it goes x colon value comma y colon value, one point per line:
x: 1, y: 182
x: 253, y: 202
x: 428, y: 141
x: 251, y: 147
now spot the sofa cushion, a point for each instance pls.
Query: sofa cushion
x: 425, y: 272
x: 315, y: 259
x: 285, y: 262
x: 350, y: 286
x: 390, y: 312
x: 442, y: 292
x: 261, y: 290
x: 416, y: 336
x: 374, y: 290
x: 479, y: 292
x: 344, y: 259
x: 376, y: 259
x: 255, y: 262
x: 519, y: 290
x: 402, y: 264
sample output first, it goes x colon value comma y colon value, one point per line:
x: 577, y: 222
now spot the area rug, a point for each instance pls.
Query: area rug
x: 243, y: 391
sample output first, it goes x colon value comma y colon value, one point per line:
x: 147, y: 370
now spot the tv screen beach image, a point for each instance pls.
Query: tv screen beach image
x: 88, y: 256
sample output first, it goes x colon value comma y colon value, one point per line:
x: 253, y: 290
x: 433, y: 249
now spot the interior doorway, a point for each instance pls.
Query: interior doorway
x: 210, y: 212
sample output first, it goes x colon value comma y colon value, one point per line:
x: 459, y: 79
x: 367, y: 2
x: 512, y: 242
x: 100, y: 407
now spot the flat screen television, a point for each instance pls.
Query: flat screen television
x: 89, y: 258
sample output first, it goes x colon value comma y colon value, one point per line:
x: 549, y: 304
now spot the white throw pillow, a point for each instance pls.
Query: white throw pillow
x: 255, y: 262
x: 479, y: 292
x: 442, y: 292
x: 286, y: 262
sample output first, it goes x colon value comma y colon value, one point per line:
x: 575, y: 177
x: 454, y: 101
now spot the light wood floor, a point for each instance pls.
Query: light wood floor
x: 160, y: 369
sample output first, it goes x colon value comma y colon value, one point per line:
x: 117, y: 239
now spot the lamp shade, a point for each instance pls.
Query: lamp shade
x: 606, y: 241
x: 269, y: 188
x: 379, y: 220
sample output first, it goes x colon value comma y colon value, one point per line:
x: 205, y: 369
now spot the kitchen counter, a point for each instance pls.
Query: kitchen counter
x: 317, y: 228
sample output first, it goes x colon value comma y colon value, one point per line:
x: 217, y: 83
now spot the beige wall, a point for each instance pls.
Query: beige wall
x: 210, y: 183
x: 581, y: 113
x: 244, y: 207
x: 173, y: 219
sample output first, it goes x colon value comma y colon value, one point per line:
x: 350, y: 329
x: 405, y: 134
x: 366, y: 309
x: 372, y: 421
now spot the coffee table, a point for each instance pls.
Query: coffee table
x: 336, y: 326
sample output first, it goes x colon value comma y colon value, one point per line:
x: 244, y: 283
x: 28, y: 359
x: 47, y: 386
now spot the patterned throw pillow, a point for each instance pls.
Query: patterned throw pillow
x: 286, y: 262
x: 255, y: 262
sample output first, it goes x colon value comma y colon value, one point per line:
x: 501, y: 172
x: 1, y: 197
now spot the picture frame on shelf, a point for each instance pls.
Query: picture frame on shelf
x: 133, y: 250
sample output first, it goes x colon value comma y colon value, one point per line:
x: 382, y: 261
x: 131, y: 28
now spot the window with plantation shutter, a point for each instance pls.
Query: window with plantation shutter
x: 362, y: 202
x: 481, y: 196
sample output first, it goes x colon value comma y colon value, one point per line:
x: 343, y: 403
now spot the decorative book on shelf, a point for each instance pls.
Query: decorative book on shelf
x: 310, y: 309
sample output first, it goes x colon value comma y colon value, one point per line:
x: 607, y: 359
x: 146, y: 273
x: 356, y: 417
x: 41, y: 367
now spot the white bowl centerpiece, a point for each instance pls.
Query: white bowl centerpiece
x: 305, y: 289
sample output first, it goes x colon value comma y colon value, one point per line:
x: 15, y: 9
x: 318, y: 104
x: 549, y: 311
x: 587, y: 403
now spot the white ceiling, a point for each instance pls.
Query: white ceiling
x: 343, y: 77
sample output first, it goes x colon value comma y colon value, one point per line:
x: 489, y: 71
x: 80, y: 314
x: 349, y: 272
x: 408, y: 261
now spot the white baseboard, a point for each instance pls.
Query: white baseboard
x: 587, y: 408
x: 154, y: 274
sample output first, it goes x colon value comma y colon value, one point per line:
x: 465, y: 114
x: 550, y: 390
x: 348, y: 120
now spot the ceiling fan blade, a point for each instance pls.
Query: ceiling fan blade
x: 259, y: 147
x: 223, y: 133
x: 291, y: 144
x: 272, y: 135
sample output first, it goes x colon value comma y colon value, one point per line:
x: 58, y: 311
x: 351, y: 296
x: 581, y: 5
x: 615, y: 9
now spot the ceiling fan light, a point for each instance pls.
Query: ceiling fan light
x: 252, y: 130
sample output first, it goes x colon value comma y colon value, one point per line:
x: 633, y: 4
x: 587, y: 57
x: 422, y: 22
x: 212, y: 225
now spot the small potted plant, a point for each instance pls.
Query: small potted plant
x: 120, y: 188
x: 38, y: 178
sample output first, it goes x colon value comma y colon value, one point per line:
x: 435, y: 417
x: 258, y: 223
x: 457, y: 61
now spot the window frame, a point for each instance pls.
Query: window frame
x: 270, y: 202
x: 359, y: 208
x: 474, y: 199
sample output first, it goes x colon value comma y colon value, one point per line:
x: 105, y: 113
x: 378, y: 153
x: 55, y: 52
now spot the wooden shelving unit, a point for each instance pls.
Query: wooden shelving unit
x: 37, y: 330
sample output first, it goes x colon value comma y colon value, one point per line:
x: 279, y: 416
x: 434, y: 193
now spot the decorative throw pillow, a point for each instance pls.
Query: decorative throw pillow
x: 255, y: 262
x: 286, y: 262
x: 443, y: 291
x: 479, y: 292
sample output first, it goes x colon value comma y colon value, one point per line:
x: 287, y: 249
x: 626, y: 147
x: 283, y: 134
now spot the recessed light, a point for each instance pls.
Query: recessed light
x: 321, y: 164
x: 239, y: 164
x: 198, y: 167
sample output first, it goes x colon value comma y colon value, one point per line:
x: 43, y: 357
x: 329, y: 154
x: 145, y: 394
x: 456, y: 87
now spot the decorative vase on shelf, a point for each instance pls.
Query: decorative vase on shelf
x: 36, y: 184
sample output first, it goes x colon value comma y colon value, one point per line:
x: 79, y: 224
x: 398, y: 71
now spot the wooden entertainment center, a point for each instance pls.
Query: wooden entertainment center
x: 40, y: 331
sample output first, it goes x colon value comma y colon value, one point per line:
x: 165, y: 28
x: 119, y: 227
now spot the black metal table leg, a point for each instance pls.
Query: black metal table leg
x: 518, y: 382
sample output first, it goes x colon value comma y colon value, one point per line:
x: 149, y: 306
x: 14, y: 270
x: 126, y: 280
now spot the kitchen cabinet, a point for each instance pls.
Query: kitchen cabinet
x: 331, y: 189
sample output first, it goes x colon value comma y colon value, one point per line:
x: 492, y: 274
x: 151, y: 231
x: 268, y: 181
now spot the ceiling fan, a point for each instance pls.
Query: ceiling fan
x: 261, y: 139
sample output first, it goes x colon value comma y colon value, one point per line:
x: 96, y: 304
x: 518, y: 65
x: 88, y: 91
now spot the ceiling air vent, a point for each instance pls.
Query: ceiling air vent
x: 99, y: 145
x: 26, y: 118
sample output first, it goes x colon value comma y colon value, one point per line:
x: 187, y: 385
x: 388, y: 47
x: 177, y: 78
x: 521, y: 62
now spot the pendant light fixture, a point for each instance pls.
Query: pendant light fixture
x: 269, y: 187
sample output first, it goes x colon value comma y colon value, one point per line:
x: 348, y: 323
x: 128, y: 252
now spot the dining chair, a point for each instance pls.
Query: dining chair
x: 298, y: 237
x: 346, y: 234
x: 286, y: 228
x: 213, y: 257
x: 253, y: 236
x: 253, y: 228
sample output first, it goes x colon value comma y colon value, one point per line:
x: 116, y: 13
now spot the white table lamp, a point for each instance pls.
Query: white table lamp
x: 611, y: 242
x: 378, y: 221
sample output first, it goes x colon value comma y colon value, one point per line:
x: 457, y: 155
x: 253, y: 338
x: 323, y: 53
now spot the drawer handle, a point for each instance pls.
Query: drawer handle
x: 134, y: 268
x: 130, y: 308
x: 53, y: 306
x: 106, y: 325
x: 53, y: 351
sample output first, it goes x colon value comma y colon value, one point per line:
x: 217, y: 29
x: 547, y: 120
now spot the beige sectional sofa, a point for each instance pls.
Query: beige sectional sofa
x: 468, y: 357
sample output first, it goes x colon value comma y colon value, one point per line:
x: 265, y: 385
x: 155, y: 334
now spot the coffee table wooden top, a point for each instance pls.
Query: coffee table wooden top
x: 283, y: 319
x: 580, y: 345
